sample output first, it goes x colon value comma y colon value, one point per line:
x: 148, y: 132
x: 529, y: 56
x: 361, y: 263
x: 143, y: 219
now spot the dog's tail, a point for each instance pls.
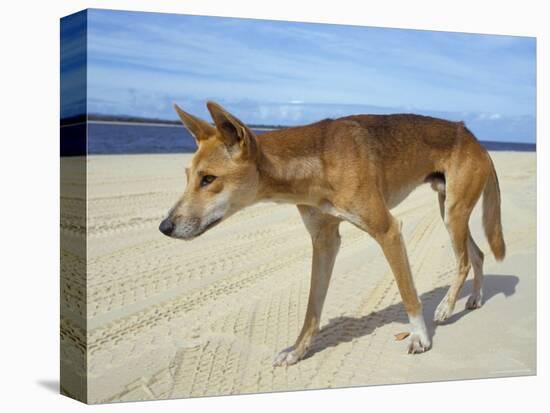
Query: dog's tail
x: 491, y: 215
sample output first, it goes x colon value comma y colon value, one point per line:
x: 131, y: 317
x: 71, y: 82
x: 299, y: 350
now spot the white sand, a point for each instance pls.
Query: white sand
x: 170, y: 319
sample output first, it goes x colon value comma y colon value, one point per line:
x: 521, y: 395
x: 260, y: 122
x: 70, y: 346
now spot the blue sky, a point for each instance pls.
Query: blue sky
x: 295, y: 73
x: 73, y: 65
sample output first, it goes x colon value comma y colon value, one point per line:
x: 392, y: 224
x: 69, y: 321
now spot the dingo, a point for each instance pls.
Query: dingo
x: 356, y: 169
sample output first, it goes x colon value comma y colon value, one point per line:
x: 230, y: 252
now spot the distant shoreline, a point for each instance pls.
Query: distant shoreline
x: 259, y: 128
x: 127, y: 137
x: 156, y: 124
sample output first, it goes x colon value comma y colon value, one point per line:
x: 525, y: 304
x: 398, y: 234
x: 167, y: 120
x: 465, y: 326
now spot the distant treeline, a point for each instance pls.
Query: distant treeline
x: 135, y: 119
x: 73, y: 119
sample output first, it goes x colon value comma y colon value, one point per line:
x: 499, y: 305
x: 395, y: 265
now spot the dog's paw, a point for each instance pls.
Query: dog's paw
x: 443, y: 311
x: 287, y: 357
x: 419, y: 343
x: 474, y: 301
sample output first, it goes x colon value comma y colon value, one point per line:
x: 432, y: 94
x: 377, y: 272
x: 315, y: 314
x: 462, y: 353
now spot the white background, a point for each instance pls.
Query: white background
x: 29, y: 205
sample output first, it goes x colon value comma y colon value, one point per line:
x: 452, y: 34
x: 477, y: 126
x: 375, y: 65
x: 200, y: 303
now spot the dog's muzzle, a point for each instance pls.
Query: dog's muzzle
x: 181, y: 227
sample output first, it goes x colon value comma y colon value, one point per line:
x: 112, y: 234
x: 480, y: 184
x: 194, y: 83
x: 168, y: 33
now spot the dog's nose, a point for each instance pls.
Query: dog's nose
x: 166, y: 226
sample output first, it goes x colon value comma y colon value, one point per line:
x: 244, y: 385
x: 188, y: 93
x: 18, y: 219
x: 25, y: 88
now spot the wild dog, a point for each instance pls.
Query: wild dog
x: 354, y: 169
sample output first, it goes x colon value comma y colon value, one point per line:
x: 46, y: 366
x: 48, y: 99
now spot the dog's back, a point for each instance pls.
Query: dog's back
x: 394, y: 152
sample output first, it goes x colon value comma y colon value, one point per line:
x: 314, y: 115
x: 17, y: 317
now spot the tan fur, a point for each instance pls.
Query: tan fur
x: 354, y: 168
x: 491, y: 216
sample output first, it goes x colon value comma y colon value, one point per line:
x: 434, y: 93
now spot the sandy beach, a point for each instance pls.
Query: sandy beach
x: 171, y: 319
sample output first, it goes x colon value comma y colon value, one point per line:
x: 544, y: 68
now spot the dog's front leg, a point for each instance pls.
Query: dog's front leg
x: 326, y: 242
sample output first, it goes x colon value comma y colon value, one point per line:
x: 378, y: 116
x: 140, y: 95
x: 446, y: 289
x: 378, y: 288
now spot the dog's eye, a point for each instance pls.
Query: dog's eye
x: 207, y: 179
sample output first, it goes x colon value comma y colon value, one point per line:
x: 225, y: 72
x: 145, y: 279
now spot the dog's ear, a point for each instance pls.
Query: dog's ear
x: 235, y: 135
x: 199, y: 128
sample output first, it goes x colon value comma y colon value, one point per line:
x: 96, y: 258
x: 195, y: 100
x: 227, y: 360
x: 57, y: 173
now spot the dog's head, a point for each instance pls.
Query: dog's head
x: 222, y: 178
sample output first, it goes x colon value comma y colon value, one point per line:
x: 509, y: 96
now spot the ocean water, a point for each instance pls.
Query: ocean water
x: 111, y: 138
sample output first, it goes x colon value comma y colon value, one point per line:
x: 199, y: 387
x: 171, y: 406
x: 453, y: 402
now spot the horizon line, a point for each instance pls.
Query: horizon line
x: 260, y: 127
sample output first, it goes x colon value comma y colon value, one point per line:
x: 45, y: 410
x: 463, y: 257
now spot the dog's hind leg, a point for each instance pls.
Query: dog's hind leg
x: 386, y: 230
x: 477, y: 257
x: 323, y: 229
x: 475, y: 254
x: 456, y: 204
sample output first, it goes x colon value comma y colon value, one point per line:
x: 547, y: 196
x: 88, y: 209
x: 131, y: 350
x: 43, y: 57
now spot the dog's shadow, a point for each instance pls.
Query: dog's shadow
x: 344, y: 329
